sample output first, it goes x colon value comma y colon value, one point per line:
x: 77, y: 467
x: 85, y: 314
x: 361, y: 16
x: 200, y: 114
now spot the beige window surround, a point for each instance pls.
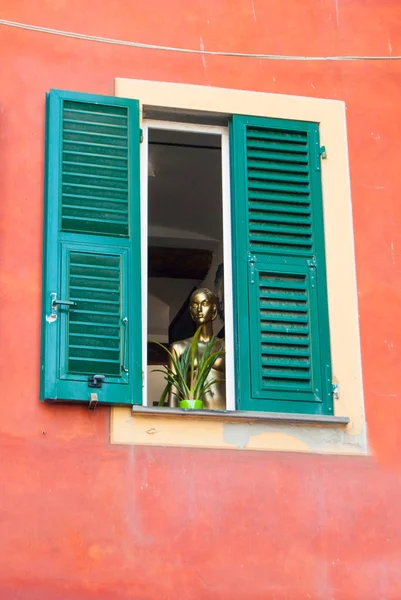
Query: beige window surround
x: 148, y: 428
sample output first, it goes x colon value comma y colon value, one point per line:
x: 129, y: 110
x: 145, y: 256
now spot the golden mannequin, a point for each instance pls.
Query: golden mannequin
x: 203, y: 310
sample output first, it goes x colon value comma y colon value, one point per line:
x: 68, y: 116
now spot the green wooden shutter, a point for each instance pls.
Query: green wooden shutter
x: 282, y: 328
x: 92, y: 250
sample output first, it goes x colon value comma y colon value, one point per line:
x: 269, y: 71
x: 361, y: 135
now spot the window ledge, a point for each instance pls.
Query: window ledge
x: 244, y: 416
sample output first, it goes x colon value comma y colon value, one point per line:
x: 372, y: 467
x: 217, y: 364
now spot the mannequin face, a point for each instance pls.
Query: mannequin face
x: 202, y: 307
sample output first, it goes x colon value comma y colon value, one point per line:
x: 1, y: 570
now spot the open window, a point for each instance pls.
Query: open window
x: 188, y: 240
x: 123, y: 232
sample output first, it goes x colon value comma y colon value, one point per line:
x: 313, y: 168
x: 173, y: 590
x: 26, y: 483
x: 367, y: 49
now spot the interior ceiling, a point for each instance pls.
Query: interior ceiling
x: 171, y: 291
x: 185, y: 206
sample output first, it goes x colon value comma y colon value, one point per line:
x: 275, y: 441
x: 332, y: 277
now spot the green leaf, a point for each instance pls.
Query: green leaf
x: 164, y: 394
x: 207, y: 367
x: 193, y: 349
x: 206, y: 353
x: 187, y: 373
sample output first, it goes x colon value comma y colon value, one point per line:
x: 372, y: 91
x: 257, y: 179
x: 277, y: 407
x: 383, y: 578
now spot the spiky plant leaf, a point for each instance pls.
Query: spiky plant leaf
x: 189, y: 372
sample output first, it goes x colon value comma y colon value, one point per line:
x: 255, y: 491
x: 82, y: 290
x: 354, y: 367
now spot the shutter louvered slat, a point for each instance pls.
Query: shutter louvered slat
x: 92, y: 189
x: 278, y: 176
x: 104, y: 129
x: 267, y: 186
x: 259, y: 215
x: 269, y: 146
x: 275, y: 134
x: 97, y: 139
x: 296, y: 160
x: 84, y: 174
x: 272, y: 350
x: 94, y: 180
x: 95, y: 200
x: 94, y: 150
x: 105, y: 228
x: 302, y: 363
x: 282, y: 228
x: 274, y: 166
x: 281, y: 308
x: 282, y: 328
x: 96, y: 209
x: 279, y: 202
x: 77, y: 110
x: 85, y: 168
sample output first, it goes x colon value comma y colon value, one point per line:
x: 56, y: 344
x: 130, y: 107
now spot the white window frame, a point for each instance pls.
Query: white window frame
x: 222, y: 132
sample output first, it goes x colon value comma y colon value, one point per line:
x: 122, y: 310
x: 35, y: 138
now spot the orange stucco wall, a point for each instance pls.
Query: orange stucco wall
x: 82, y: 519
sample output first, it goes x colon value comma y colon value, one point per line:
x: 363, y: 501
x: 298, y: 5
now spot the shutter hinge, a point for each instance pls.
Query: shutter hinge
x: 321, y: 153
x: 312, y: 271
x: 143, y: 378
x: 320, y: 150
x: 140, y: 136
x: 252, y: 270
x: 335, y: 390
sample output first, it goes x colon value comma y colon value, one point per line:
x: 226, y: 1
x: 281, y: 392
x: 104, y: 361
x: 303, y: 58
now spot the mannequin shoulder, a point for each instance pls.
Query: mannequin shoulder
x: 179, y: 347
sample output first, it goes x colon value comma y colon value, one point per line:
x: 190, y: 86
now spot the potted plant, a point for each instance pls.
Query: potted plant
x: 188, y: 374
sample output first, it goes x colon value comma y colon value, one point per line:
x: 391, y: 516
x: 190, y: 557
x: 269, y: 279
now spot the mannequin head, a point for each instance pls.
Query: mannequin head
x: 203, y: 306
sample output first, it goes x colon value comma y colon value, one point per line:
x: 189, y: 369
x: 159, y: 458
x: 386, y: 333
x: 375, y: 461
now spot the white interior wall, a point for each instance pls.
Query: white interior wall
x: 181, y: 290
x: 156, y: 384
x: 158, y: 317
x: 158, y: 322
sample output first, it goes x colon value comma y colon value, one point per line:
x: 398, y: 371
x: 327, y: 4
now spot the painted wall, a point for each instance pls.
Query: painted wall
x: 82, y: 519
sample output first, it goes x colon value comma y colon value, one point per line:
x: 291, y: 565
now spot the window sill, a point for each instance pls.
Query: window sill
x: 236, y: 430
x: 244, y: 416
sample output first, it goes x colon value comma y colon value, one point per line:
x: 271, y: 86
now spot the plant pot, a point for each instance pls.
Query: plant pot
x: 192, y: 404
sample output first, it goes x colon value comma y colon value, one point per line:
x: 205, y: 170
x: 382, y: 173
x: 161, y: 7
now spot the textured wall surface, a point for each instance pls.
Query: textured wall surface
x: 82, y: 519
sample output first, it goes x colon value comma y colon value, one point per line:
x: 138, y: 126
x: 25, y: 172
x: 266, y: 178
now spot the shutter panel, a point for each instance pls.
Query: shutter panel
x: 282, y: 329
x: 92, y: 250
